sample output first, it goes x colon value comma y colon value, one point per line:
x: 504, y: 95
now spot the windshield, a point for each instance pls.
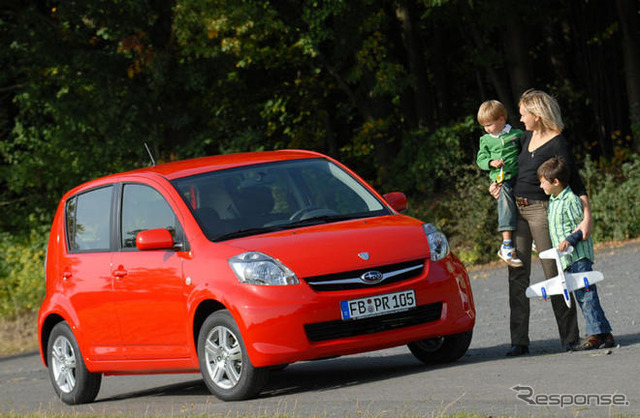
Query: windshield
x: 268, y: 197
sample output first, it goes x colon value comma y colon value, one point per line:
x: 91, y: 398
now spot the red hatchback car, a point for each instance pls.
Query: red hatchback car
x: 235, y: 265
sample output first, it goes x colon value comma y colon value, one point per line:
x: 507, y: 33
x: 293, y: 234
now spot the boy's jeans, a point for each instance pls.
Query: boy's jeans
x: 506, y: 207
x: 589, y: 302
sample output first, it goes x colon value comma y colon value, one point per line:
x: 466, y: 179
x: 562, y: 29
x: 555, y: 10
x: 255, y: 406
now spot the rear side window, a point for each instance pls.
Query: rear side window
x: 88, y: 217
x: 144, y: 208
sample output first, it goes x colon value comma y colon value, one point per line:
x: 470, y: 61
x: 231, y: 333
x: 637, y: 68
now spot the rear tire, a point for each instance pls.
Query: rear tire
x: 224, y: 362
x: 442, y: 349
x: 71, y: 380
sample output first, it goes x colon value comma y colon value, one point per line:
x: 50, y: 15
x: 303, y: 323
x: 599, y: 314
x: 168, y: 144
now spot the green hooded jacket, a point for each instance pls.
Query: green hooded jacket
x: 506, y: 146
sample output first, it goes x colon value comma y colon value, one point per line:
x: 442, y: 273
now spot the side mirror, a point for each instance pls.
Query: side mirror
x: 154, y: 239
x: 397, y: 200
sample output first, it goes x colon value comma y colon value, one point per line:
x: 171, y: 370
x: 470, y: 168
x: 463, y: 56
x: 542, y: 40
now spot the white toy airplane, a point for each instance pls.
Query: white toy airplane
x: 563, y: 283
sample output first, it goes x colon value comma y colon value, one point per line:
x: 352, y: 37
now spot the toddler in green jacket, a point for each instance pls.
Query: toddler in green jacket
x: 498, y: 153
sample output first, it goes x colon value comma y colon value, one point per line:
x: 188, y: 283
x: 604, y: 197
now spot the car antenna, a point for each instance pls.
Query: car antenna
x: 153, y: 161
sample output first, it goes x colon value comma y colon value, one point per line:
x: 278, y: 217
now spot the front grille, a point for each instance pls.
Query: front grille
x: 349, y: 280
x: 323, y: 331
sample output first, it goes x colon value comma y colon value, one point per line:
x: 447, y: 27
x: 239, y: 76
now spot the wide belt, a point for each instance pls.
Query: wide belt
x: 522, y: 202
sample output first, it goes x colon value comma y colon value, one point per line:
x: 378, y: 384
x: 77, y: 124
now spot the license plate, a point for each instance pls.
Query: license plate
x: 377, y: 305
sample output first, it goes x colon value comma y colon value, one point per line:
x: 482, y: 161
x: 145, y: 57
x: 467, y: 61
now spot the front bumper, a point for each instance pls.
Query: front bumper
x: 286, y: 325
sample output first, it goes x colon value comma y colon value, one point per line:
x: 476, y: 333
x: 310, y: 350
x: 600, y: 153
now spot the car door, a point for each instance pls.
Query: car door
x: 149, y: 285
x: 85, y: 269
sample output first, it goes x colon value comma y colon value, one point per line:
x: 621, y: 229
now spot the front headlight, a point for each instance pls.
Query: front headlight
x: 254, y: 267
x: 438, y: 244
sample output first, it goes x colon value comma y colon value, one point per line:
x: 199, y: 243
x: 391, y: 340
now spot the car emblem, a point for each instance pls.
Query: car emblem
x: 372, y: 277
x: 364, y: 256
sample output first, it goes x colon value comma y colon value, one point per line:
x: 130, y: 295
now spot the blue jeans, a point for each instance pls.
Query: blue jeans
x: 506, y: 207
x: 589, y: 302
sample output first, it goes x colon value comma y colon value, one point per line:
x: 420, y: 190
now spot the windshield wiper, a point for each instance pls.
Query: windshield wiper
x: 250, y: 231
x: 325, y: 219
x: 316, y: 220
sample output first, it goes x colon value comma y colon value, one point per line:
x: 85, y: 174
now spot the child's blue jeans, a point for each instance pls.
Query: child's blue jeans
x: 506, y: 208
x: 589, y: 302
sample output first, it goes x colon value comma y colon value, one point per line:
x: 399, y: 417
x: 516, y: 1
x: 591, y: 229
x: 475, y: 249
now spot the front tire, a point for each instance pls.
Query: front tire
x: 224, y: 362
x: 440, y: 350
x: 71, y: 380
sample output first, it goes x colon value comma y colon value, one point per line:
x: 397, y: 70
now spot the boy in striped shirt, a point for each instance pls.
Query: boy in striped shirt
x: 565, y: 214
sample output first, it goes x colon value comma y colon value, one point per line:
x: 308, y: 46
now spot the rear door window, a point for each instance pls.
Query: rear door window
x: 88, y: 219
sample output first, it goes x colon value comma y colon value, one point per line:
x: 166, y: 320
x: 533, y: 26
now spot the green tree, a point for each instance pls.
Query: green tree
x: 390, y: 87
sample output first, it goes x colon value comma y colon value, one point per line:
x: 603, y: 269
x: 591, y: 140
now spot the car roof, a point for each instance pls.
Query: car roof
x: 190, y: 167
x: 178, y: 169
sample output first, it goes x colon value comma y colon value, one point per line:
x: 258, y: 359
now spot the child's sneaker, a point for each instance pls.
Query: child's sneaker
x: 508, y: 255
x: 592, y: 342
x: 609, y: 341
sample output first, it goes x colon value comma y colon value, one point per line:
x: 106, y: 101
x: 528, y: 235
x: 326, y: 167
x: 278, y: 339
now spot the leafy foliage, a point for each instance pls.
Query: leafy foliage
x: 430, y: 162
x: 22, y: 272
x: 615, y: 200
x: 388, y: 87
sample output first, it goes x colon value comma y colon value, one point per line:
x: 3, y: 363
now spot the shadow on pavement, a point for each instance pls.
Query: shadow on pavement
x: 343, y: 372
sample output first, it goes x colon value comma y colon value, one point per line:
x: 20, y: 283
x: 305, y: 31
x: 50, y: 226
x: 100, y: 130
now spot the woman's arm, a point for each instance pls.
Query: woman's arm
x: 586, y: 226
x: 563, y: 149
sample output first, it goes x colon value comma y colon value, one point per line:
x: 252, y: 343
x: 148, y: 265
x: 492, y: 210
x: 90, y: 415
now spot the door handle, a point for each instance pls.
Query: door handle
x: 120, y: 272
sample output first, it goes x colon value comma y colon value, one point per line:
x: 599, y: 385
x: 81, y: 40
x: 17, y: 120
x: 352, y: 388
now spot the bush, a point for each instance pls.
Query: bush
x: 22, y: 282
x: 467, y: 214
x: 428, y: 161
x: 615, y: 202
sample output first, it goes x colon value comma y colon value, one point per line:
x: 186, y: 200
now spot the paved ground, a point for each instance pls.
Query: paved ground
x: 392, y: 383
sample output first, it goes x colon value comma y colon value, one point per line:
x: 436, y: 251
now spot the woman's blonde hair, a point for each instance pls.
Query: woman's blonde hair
x: 491, y: 110
x: 544, y: 106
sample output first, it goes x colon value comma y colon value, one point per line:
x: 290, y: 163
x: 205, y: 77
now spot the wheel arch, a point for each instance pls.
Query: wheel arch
x: 45, y: 332
x: 205, y: 308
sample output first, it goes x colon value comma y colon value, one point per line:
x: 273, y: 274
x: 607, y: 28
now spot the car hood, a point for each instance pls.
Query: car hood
x: 343, y: 246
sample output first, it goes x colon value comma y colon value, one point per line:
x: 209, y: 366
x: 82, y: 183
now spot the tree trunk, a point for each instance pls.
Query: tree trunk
x: 495, y: 78
x: 517, y: 57
x: 406, y: 13
x: 628, y: 15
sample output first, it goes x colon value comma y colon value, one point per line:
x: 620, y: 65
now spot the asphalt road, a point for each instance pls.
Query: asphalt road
x: 392, y: 383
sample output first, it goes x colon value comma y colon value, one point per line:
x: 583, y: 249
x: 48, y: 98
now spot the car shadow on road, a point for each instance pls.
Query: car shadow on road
x: 308, y: 376
x: 322, y: 375
x: 194, y: 387
x: 304, y: 377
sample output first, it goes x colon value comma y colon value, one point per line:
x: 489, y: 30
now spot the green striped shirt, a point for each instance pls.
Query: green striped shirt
x: 565, y: 214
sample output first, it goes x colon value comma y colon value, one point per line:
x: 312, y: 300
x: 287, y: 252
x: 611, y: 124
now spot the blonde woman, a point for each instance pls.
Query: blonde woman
x: 543, y: 139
